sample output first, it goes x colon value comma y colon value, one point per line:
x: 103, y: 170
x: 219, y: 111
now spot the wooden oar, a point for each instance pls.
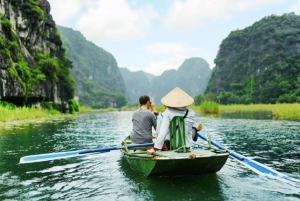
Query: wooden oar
x: 253, y: 165
x: 68, y: 154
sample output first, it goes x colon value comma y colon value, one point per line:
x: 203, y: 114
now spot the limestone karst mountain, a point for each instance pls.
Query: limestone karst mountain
x: 192, y: 76
x: 33, y: 65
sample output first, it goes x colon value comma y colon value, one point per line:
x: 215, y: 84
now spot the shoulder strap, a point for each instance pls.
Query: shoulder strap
x: 186, y: 113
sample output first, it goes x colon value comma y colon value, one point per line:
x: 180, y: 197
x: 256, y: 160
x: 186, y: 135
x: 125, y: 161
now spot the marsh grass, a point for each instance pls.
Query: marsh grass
x: 282, y: 111
x: 24, y: 113
x: 209, y: 107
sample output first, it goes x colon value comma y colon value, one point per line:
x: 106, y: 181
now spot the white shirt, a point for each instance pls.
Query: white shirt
x: 164, y: 127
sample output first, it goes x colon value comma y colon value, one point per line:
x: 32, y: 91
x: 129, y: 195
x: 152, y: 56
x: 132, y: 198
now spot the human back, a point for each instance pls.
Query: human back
x: 169, y: 114
x: 142, y: 122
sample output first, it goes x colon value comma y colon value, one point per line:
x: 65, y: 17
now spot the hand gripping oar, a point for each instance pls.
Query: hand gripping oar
x: 253, y: 165
x: 68, y: 154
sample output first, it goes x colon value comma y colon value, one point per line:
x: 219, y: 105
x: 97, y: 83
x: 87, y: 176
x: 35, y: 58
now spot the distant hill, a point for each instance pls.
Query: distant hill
x: 259, y: 64
x: 98, y: 80
x: 192, y: 76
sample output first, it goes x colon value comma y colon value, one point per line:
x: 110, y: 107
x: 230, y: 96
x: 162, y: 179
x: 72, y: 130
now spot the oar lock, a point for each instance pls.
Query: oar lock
x: 209, y: 141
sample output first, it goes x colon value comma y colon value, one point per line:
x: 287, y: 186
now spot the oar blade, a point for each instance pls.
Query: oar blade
x: 252, y: 164
x: 69, y: 154
x: 48, y: 157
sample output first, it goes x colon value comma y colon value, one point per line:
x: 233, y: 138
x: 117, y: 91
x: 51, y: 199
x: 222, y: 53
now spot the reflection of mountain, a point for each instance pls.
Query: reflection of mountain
x: 192, y: 76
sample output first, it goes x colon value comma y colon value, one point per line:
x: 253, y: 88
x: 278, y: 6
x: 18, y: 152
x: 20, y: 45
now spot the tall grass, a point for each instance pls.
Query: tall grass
x: 209, y: 107
x: 24, y: 113
x: 279, y: 111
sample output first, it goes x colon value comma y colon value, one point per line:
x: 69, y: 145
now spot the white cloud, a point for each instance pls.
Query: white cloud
x: 64, y: 11
x: 114, y: 20
x: 157, y: 68
x: 192, y: 13
x: 295, y: 8
x: 176, y: 52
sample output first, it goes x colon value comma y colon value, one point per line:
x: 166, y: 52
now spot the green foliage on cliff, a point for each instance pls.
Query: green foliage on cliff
x: 97, y: 98
x: 99, y: 83
x: 48, y: 65
x: 259, y: 64
x: 45, y: 66
x: 32, y: 8
x: 73, y: 106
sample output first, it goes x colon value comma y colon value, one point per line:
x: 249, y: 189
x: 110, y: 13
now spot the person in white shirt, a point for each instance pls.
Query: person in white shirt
x: 176, y: 103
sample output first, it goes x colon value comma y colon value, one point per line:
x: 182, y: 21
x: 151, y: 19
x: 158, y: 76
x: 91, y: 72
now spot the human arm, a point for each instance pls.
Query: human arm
x: 163, y: 132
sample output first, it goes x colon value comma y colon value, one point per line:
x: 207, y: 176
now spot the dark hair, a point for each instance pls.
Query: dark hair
x: 144, y: 99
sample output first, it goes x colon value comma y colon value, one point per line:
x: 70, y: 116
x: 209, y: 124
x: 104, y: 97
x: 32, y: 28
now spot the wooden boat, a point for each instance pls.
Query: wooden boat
x: 197, y: 160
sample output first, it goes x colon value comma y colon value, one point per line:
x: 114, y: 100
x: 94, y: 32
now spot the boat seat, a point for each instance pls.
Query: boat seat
x: 177, y: 134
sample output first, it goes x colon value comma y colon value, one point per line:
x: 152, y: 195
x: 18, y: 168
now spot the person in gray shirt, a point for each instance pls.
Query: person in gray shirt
x: 143, y: 120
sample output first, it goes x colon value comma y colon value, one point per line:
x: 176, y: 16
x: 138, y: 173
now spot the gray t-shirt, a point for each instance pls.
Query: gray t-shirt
x: 142, y: 121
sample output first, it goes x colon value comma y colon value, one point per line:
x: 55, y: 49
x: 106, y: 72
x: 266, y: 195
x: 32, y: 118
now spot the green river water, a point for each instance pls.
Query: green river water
x: 107, y: 176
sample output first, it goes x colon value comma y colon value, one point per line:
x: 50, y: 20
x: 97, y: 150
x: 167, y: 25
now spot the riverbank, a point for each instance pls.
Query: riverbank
x: 282, y: 111
x: 279, y: 111
x: 26, y: 114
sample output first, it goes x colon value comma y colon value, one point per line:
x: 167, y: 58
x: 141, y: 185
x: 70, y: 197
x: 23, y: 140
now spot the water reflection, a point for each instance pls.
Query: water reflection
x: 108, y: 177
x: 197, y: 187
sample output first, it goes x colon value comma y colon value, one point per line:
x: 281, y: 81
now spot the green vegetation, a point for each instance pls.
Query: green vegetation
x: 279, y: 111
x: 9, y: 112
x: 259, y: 64
x: 97, y: 98
x: 209, y: 107
x: 45, y: 66
x: 73, y: 106
x: 32, y: 9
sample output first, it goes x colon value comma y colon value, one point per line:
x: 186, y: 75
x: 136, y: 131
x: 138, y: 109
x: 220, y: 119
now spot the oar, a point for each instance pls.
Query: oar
x: 253, y: 165
x: 68, y: 154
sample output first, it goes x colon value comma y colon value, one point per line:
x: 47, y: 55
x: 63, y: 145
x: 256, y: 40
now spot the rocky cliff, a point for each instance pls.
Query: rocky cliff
x: 33, y: 65
x: 259, y: 64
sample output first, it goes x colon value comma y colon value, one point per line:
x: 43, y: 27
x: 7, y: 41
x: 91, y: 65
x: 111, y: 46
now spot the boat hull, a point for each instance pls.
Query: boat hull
x: 169, y: 163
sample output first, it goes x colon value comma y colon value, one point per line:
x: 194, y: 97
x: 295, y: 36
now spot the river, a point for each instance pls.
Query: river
x: 107, y: 176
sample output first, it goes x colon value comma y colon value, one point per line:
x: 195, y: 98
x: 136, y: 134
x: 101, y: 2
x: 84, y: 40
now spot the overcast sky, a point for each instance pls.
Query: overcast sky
x: 157, y: 35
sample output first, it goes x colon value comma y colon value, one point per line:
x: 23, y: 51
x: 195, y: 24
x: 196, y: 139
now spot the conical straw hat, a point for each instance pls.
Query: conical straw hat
x: 177, y: 98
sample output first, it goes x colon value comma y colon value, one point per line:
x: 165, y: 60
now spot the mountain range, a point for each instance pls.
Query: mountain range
x: 192, y: 77
x: 98, y: 77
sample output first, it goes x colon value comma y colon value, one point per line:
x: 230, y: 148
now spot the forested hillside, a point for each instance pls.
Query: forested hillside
x: 192, y: 76
x: 259, y: 64
x: 99, y: 83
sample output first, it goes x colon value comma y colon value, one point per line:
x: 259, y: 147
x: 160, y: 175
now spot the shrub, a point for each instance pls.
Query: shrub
x: 110, y: 109
x: 209, y: 107
x: 73, y: 106
x: 46, y: 105
x: 7, y: 105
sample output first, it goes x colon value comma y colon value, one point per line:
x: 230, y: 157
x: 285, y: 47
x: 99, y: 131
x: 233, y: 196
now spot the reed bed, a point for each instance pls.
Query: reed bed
x: 24, y: 113
x: 279, y: 111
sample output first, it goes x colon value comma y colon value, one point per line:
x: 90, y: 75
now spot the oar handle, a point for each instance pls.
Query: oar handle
x: 68, y: 154
x: 108, y: 149
x: 235, y: 155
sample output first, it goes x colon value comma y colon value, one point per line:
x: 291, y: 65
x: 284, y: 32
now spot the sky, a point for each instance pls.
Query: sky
x: 158, y: 35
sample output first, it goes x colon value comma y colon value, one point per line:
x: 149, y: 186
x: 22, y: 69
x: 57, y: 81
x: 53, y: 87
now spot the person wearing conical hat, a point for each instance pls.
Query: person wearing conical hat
x: 176, y: 102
